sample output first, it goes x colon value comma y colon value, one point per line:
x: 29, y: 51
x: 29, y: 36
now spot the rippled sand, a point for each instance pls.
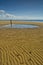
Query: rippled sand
x: 21, y: 46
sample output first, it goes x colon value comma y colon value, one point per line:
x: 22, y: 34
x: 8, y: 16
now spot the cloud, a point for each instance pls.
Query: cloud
x: 6, y: 15
x: 9, y: 15
x: 2, y: 12
x: 29, y: 17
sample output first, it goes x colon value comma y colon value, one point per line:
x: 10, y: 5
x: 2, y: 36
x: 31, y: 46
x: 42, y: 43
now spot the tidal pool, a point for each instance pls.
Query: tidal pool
x: 19, y: 26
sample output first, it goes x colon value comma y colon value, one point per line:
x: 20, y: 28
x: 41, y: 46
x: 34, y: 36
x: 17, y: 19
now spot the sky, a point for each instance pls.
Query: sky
x: 21, y: 9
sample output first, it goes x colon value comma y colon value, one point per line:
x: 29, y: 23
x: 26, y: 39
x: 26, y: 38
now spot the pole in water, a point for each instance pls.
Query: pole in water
x: 11, y: 23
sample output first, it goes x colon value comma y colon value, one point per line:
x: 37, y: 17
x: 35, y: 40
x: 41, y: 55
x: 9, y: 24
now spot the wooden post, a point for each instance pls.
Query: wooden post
x: 11, y: 23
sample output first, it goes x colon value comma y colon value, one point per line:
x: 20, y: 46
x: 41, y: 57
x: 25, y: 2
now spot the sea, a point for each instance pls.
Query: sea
x: 25, y: 20
x: 30, y: 20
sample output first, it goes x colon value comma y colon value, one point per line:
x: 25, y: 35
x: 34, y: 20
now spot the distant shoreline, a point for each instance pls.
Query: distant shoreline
x: 25, y: 20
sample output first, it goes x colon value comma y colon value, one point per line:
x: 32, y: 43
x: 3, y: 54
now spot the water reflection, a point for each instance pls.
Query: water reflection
x: 19, y: 26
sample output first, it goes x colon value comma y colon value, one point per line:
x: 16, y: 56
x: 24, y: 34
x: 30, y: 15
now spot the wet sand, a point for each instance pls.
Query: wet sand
x: 21, y: 46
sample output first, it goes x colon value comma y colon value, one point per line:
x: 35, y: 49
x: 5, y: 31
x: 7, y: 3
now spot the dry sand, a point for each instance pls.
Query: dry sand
x: 20, y: 22
x: 21, y: 46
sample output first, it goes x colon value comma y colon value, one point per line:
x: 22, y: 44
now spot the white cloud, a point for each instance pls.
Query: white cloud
x: 9, y: 15
x: 5, y: 15
x: 2, y: 12
x: 29, y: 17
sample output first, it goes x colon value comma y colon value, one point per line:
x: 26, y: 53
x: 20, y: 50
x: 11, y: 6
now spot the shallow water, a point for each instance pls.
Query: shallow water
x: 19, y: 26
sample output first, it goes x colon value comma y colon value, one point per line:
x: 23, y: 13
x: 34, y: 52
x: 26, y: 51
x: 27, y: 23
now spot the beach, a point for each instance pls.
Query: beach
x: 21, y: 46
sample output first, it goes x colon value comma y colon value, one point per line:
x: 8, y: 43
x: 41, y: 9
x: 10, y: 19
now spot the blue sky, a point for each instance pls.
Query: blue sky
x: 21, y: 9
